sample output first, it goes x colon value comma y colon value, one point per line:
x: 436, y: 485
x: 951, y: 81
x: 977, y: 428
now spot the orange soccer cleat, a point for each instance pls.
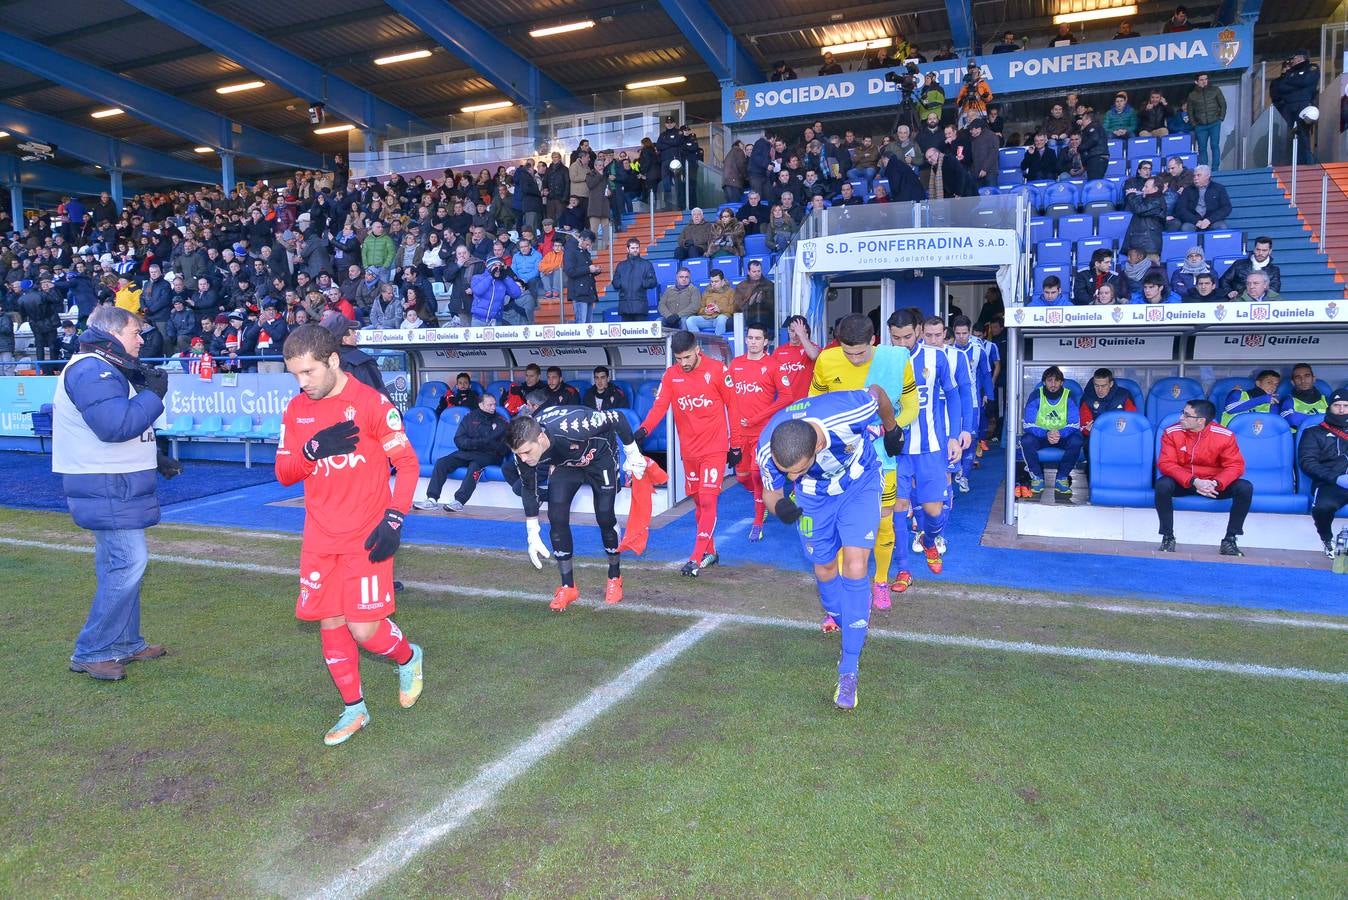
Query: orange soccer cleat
x: 613, y: 591
x: 902, y: 583
x: 934, y: 562
x: 564, y: 597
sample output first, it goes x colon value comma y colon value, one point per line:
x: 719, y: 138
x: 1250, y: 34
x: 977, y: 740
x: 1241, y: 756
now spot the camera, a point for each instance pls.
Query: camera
x: 907, y: 81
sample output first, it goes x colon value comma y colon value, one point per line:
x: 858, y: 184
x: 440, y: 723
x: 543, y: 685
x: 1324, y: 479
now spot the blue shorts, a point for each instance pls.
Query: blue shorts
x: 923, y: 477
x: 827, y: 524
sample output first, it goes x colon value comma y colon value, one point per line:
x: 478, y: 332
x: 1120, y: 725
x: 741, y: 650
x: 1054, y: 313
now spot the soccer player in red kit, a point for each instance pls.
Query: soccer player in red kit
x: 339, y: 437
x: 699, y: 390
x: 760, y: 391
x: 795, y: 359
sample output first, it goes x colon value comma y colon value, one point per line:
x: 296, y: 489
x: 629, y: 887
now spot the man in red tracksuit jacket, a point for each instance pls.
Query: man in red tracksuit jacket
x: 1202, y: 458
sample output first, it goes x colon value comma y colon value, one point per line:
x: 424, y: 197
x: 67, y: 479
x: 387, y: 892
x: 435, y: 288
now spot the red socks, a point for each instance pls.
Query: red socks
x: 705, y: 502
x: 343, y: 659
x: 388, y: 640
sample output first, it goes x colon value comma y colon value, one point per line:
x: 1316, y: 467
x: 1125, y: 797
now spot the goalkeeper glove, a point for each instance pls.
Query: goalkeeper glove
x: 894, y: 441
x: 787, y: 511
x: 734, y: 456
x: 634, y: 463
x: 331, y: 441
x: 538, y: 551
x: 383, y: 541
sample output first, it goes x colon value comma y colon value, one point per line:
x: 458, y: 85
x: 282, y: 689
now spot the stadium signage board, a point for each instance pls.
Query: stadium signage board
x: 465, y: 357
x: 20, y: 397
x: 250, y: 394
x: 642, y: 356
x: 1084, y: 348
x: 1280, y: 346
x: 908, y: 248
x: 1131, y: 315
x: 598, y: 332
x: 561, y: 355
x: 1144, y: 58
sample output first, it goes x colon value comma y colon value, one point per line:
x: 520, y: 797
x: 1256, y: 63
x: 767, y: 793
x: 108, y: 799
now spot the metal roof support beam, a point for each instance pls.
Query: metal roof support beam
x: 154, y: 106
x: 16, y: 205
x: 963, y: 31
x: 1236, y: 12
x: 520, y: 80
x: 714, y: 41
x: 98, y: 148
x: 304, y: 78
x: 40, y: 176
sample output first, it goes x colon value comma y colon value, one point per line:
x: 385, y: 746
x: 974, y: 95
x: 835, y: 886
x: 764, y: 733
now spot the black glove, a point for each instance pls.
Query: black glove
x: 331, y: 441
x: 156, y: 380
x: 168, y: 466
x: 383, y: 541
x: 787, y: 511
x: 640, y: 435
x: 734, y: 456
x: 894, y: 441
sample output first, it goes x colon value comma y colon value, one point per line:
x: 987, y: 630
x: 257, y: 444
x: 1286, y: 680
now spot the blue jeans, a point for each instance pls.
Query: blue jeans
x: 697, y: 323
x: 584, y: 311
x: 112, y: 630
x: 866, y: 176
x: 1070, y: 443
x: 1209, y: 136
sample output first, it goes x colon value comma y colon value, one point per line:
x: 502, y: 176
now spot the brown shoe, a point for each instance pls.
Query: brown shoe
x: 108, y: 670
x: 149, y: 651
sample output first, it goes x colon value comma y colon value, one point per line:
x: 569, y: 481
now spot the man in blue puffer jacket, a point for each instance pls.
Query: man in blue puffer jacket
x: 103, y: 446
x: 492, y: 290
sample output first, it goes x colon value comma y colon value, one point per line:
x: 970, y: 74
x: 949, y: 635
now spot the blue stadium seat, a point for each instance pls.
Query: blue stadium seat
x: 1135, y: 391
x: 1053, y: 252
x: 1120, y: 448
x: 498, y: 388
x: 1190, y: 160
x: 1041, y: 230
x: 1113, y: 225
x: 988, y: 192
x: 628, y: 390
x: 1221, y: 264
x: 180, y: 427
x: 419, y: 424
x: 1176, y: 144
x: 1115, y: 146
x: 1175, y: 244
x: 1084, y: 249
x: 1060, y: 199
x: 755, y: 243
x: 1116, y: 168
x: 1097, y: 196
x: 1010, y: 157
x: 1139, y: 147
x: 1074, y: 228
x: 268, y: 429
x: 658, y: 440
x: 444, y: 434
x: 1062, y: 270
x: 1168, y: 396
x: 1223, y: 386
x: 698, y: 267
x: 665, y: 269
x: 1223, y: 243
x: 430, y: 394
x: 207, y: 427
x: 476, y: 387
x: 1010, y: 177
x: 1285, y: 389
x: 237, y: 428
x: 1265, y: 441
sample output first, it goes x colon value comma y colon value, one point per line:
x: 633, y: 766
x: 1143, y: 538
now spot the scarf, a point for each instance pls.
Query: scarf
x: 1256, y: 265
x: 1136, y: 271
x: 936, y: 190
x: 1195, y: 269
x: 1337, y: 424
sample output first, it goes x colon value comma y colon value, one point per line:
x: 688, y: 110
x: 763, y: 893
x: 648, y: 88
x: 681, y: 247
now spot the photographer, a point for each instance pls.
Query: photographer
x: 930, y: 99
x: 104, y: 448
x: 493, y: 289
x: 974, y: 96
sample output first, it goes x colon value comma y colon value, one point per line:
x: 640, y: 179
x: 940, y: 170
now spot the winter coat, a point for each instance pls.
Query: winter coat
x: 527, y: 198
x: 317, y: 258
x: 6, y: 334
x: 1083, y: 287
x: 41, y: 309
x: 984, y: 149
x: 759, y: 157
x: 1094, y: 142
x: 101, y: 392
x: 1233, y: 279
x: 157, y: 298
x: 1148, y: 222
x: 1323, y: 455
x: 634, y: 278
x: 557, y: 180
x: 580, y: 286
x: 1295, y: 89
x: 729, y: 236
x: 1038, y: 166
x: 377, y: 250
x: 460, y: 281
x: 597, y: 206
x: 1207, y: 106
x: 696, y: 234
x: 1218, y: 203
x: 777, y: 233
x: 576, y: 179
x: 490, y: 295
x: 680, y: 302
x: 386, y: 315
x: 183, y: 324
x: 1120, y: 120
x: 1153, y: 118
x: 1210, y: 453
x: 735, y: 169
x: 480, y: 432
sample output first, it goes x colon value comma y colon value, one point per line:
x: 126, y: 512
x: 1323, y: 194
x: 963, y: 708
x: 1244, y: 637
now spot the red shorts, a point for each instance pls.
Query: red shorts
x: 749, y: 449
x: 703, y: 473
x: 344, y: 584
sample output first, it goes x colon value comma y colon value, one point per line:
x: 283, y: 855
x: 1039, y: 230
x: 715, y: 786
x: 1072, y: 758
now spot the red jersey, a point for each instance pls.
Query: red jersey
x: 345, y: 496
x: 794, y: 370
x: 759, y: 393
x: 701, y: 399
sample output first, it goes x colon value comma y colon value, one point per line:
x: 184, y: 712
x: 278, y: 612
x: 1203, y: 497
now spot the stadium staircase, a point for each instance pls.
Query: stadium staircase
x: 1308, y: 184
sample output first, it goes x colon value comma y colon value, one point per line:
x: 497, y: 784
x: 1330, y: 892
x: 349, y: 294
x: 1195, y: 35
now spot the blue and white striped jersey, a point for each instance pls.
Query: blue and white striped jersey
x: 940, y: 405
x: 979, y: 365
x: 844, y: 417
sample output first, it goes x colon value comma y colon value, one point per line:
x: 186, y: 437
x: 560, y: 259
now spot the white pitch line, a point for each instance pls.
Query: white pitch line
x: 456, y: 809
x: 916, y: 637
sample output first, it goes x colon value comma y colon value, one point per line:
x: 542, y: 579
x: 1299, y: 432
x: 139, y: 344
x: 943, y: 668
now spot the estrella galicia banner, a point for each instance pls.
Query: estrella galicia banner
x: 1154, y: 56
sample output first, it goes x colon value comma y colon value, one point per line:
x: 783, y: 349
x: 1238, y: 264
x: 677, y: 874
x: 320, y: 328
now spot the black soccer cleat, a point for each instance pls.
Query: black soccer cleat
x: 690, y: 569
x: 1228, y: 547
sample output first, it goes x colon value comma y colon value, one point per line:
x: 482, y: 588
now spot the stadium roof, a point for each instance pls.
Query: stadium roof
x: 629, y: 41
